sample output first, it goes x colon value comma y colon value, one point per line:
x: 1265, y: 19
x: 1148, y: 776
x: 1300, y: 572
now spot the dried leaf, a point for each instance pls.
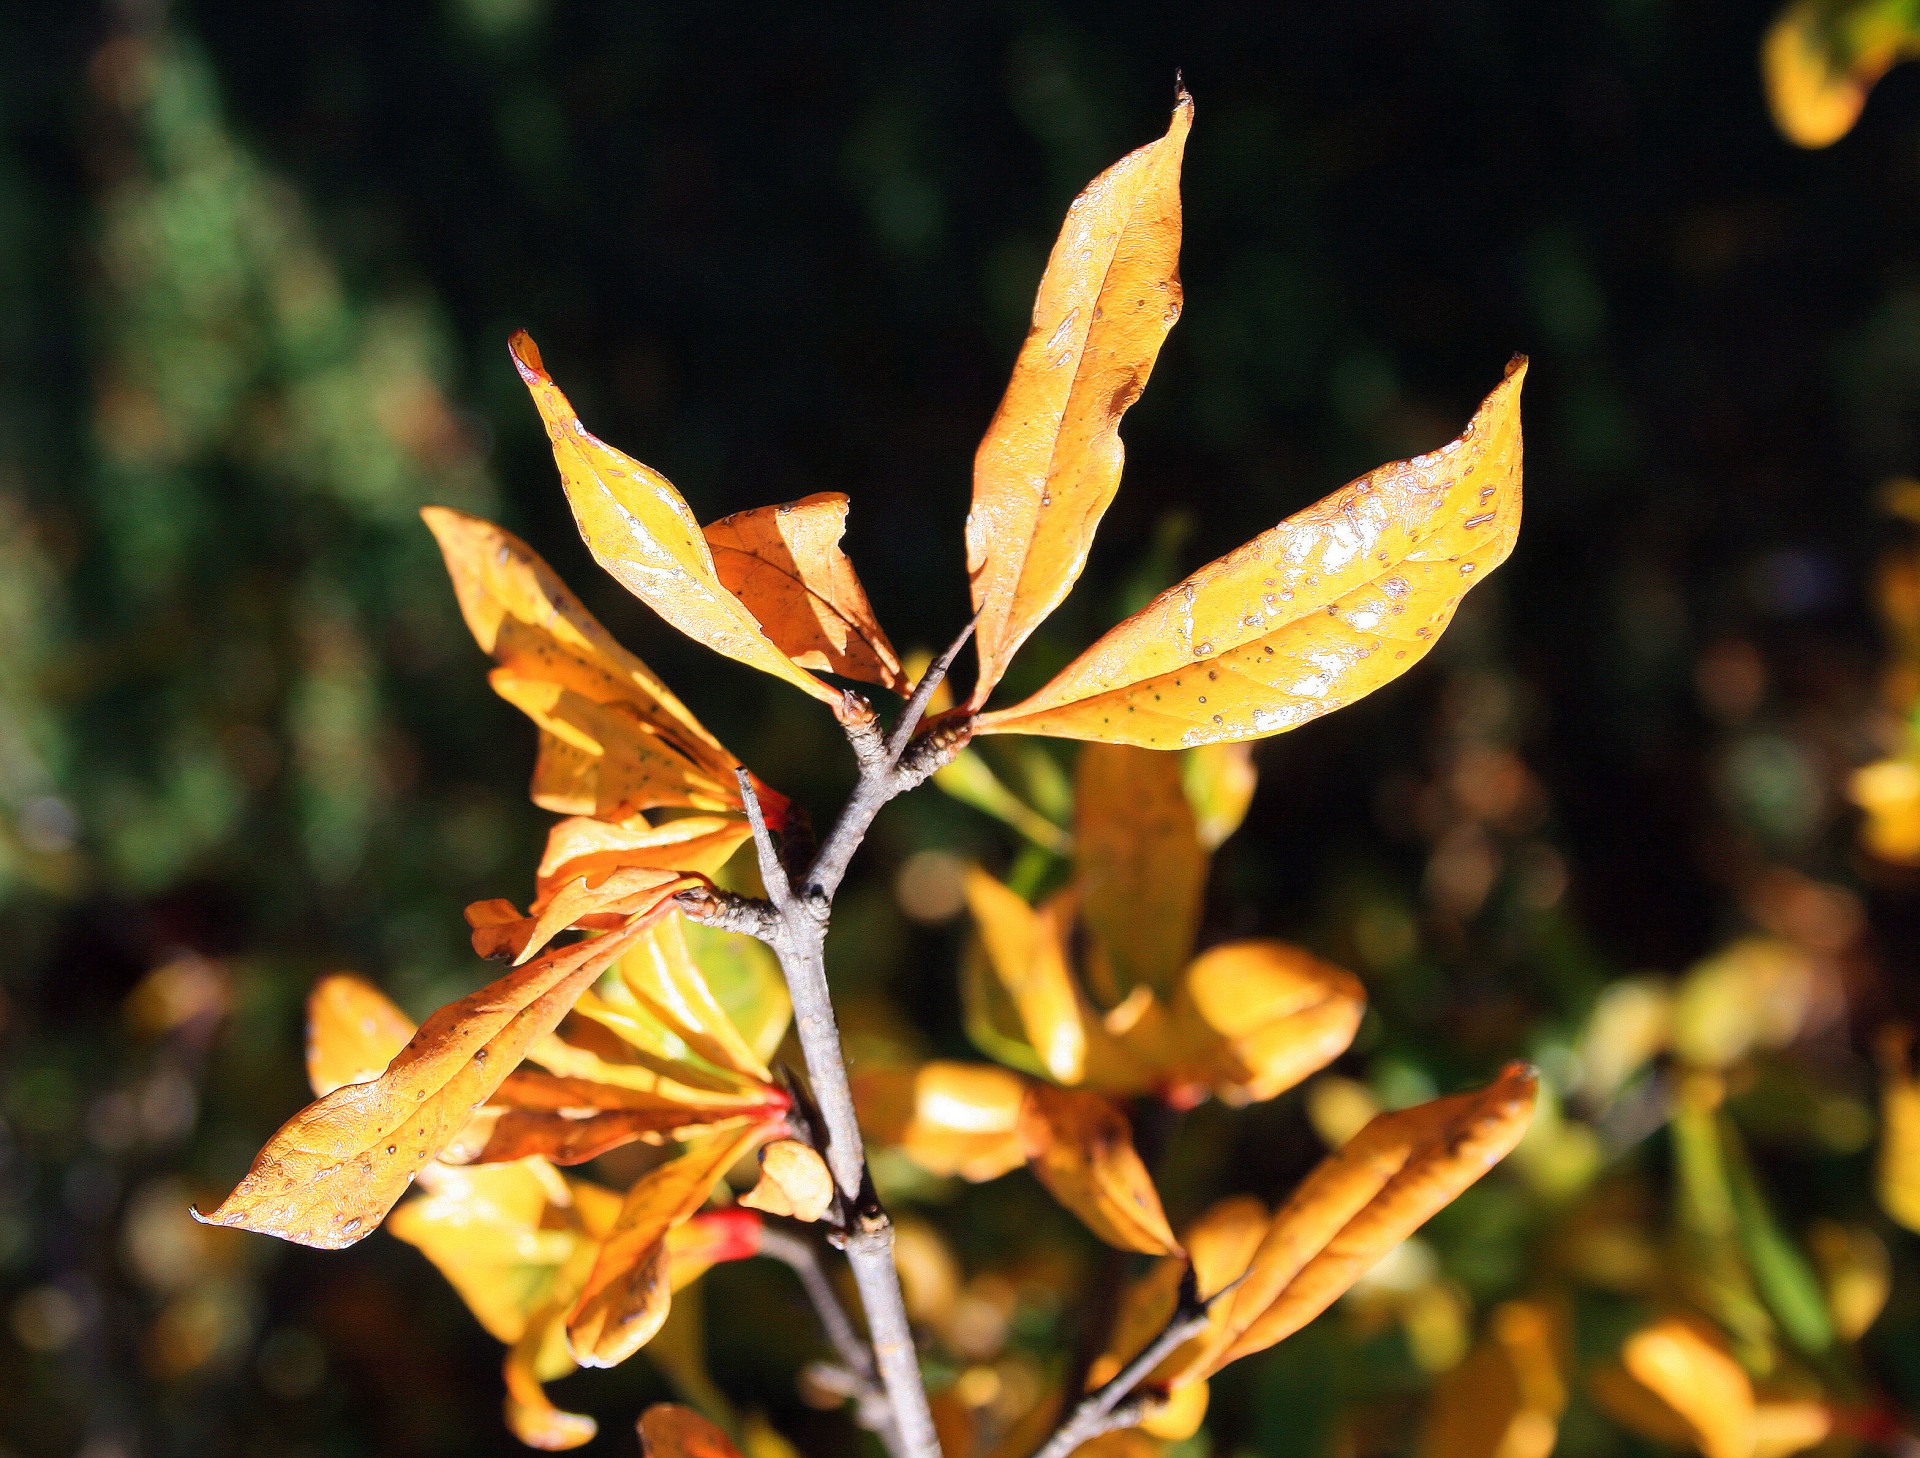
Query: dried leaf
x: 353, y: 1032
x: 1081, y: 1148
x: 1306, y: 618
x: 794, y: 1181
x: 1027, y: 951
x: 1140, y: 863
x: 1822, y: 57
x: 668, y: 1430
x: 627, y: 1295
x: 334, y: 1170
x: 785, y: 564
x: 1263, y: 1015
x: 1362, y: 1201
x: 614, y: 740
x: 1505, y: 1399
x: 641, y: 531
x: 1050, y: 462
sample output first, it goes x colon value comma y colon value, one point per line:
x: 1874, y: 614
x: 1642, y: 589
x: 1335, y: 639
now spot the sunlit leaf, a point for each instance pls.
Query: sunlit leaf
x: 614, y: 739
x: 1363, y: 1200
x: 969, y: 779
x: 1897, y: 1172
x: 662, y: 977
x: 950, y: 1118
x: 785, y: 564
x: 641, y: 531
x: 353, y: 1032
x: 1050, y: 462
x: 745, y: 979
x: 582, y: 846
x: 334, y: 1170
x: 627, y: 1295
x: 1262, y: 1015
x: 1140, y: 864
x: 1306, y: 618
x: 794, y: 1181
x: 1822, y: 57
x: 1027, y: 950
x: 1678, y: 1383
x: 670, y: 1431
x: 1220, y: 780
x: 1080, y: 1146
x: 631, y: 891
x: 1505, y: 1399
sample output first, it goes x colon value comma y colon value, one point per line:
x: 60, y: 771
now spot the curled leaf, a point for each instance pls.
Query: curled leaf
x: 1363, y: 1200
x: 668, y: 1430
x: 334, y: 1170
x: 643, y: 533
x: 785, y: 564
x: 794, y: 1181
x: 1027, y: 951
x: 353, y: 1032
x: 1050, y: 462
x: 1678, y: 1382
x: 950, y: 1118
x: 1081, y: 1148
x: 631, y: 891
x: 1263, y: 1015
x: 530, y: 1414
x: 1306, y: 618
x: 582, y: 846
x: 1140, y: 863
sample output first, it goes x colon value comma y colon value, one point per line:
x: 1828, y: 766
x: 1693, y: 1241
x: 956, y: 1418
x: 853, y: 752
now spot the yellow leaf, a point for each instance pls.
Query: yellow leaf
x: 530, y: 1414
x: 1220, y: 780
x: 571, y: 1120
x: 1889, y: 792
x: 1822, y: 57
x: 1050, y: 462
x: 1306, y: 618
x: 1081, y: 1148
x: 950, y: 1118
x: 1505, y: 1399
x: 627, y: 1295
x: 1140, y: 863
x: 630, y: 892
x: 334, y: 1170
x: 353, y: 1032
x: 582, y: 846
x: 1786, y: 1427
x: 1027, y: 950
x: 1362, y: 1201
x: 641, y: 531
x: 670, y: 1431
x: 660, y: 975
x: 1898, y: 1167
x: 785, y: 564
x: 794, y: 1181
x: 1263, y: 1015
x: 615, y: 741
x: 1678, y: 1382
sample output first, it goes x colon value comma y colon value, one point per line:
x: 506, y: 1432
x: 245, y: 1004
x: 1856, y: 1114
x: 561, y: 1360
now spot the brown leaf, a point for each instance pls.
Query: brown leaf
x: 1050, y: 462
x: 1080, y: 1147
x: 627, y: 1296
x: 670, y: 1431
x: 641, y: 531
x: 353, y: 1032
x: 1262, y: 1015
x: 1136, y: 848
x: 1363, y: 1200
x: 334, y: 1170
x: 794, y: 1181
x: 785, y: 564
x: 615, y: 741
x: 1306, y: 618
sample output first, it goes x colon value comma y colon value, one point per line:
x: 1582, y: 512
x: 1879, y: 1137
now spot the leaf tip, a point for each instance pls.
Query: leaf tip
x: 526, y: 357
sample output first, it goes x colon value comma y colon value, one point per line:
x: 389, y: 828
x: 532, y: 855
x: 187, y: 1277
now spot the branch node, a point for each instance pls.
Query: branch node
x: 923, y: 692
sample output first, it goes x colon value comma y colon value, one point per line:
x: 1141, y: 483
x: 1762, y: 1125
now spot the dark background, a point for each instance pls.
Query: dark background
x: 258, y: 264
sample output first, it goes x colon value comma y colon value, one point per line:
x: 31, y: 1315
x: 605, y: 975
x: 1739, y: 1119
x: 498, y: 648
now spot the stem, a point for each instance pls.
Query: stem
x: 871, y: 1407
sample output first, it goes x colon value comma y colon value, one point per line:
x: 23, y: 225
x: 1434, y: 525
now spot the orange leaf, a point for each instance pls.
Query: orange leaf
x: 668, y: 1430
x: 794, y: 1181
x: 353, y: 1032
x: 333, y: 1171
x: 1027, y: 950
x: 1677, y: 1381
x: 1505, y: 1399
x: 1050, y: 462
x: 1264, y: 1015
x: 950, y: 1118
x: 614, y: 740
x: 1363, y: 1200
x: 1081, y: 1148
x: 500, y: 932
x: 1304, y: 619
x: 1136, y: 847
x: 641, y: 531
x: 785, y: 564
x: 627, y: 1297
x: 631, y: 891
x: 582, y: 846
x: 1821, y: 59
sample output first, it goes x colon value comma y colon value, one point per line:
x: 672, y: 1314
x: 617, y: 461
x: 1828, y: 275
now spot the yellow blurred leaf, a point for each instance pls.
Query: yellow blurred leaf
x: 670, y: 1431
x: 1362, y: 1201
x: 1334, y: 602
x: 662, y: 978
x: 334, y: 1170
x: 1505, y: 1399
x: 353, y: 1032
x: 1220, y: 780
x: 1678, y: 1383
x: 1856, y: 1272
x: 1822, y: 57
x: 950, y: 1118
x: 1080, y: 1146
x: 1897, y: 1173
x: 785, y: 564
x: 1051, y: 459
x: 1140, y: 864
x: 1263, y: 1015
x: 641, y: 531
x: 794, y: 1181
x: 1027, y: 951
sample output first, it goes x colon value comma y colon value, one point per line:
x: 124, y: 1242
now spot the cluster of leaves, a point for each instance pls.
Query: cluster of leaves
x: 630, y: 1033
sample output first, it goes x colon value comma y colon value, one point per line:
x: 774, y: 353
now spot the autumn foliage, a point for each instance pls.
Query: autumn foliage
x: 650, y: 978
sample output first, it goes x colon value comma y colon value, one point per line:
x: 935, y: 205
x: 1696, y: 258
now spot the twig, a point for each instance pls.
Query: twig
x: 798, y: 1255
x: 1115, y: 1405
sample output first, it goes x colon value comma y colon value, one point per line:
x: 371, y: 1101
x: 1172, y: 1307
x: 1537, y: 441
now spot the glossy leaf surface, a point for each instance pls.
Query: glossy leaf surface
x: 1026, y: 949
x: 1263, y: 1015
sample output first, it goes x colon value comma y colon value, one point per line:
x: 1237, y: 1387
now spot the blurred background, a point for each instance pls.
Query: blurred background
x: 258, y: 265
